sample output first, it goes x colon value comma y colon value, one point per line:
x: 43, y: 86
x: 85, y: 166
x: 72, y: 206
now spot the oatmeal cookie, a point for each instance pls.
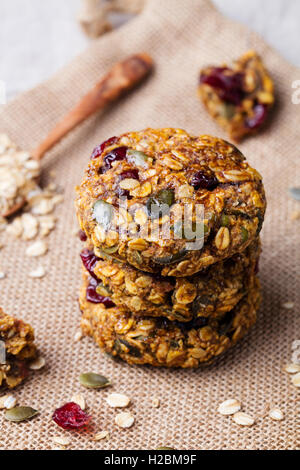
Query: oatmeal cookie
x: 159, y: 342
x: 238, y: 98
x: 167, y: 177
x: 17, y: 339
x: 210, y: 293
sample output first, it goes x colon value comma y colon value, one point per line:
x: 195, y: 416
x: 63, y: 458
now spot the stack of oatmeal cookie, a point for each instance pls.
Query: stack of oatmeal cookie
x: 171, y: 224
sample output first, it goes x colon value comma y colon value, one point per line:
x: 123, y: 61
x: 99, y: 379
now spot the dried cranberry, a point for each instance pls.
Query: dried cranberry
x: 70, y: 416
x: 89, y: 260
x: 201, y: 180
x: 132, y: 174
x: 260, y: 114
x: 82, y: 236
x: 93, y: 297
x: 116, y: 154
x: 100, y: 148
x: 228, y: 86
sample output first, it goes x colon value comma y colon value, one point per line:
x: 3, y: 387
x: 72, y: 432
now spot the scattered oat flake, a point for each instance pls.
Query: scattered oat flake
x: 243, y: 419
x: 38, y: 273
x: 2, y: 401
x: 30, y: 226
x: 80, y: 400
x: 62, y: 441
x: 38, y: 363
x: 2, y: 275
x: 292, y: 368
x: 77, y: 336
x: 124, y: 420
x: 288, y: 305
x: 101, y: 435
x: 9, y: 402
x: 38, y: 248
x: 296, y: 380
x: 118, y: 400
x: 276, y: 414
x: 229, y: 407
x: 155, y: 403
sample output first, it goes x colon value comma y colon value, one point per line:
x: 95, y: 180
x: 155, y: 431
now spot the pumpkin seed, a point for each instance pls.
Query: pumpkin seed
x: 158, y: 205
x: 20, y: 413
x: 227, y: 111
x: 225, y: 221
x: 245, y: 234
x: 110, y: 250
x: 171, y: 258
x: 137, y: 158
x: 103, y: 213
x: 91, y: 380
x: 295, y: 193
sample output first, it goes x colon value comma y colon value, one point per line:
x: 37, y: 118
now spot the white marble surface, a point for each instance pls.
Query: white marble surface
x: 37, y: 37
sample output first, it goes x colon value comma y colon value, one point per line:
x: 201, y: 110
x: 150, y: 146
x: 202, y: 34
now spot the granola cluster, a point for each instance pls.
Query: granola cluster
x: 159, y: 342
x: 163, y: 173
x: 240, y: 97
x: 17, y: 344
x: 154, y: 300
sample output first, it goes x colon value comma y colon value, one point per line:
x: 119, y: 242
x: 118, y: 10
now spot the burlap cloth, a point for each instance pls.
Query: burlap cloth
x: 182, y: 36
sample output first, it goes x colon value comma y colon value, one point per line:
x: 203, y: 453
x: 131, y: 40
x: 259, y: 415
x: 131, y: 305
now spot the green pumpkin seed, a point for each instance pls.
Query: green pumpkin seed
x: 245, y: 234
x: 225, y: 221
x: 95, y: 381
x: 227, y: 110
x: 137, y: 158
x: 158, y: 205
x: 171, y: 258
x: 295, y: 193
x: 20, y: 413
x: 110, y: 250
x: 102, y: 290
x: 103, y: 213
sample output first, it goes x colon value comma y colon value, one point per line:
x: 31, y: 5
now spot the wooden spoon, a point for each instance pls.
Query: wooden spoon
x: 123, y: 77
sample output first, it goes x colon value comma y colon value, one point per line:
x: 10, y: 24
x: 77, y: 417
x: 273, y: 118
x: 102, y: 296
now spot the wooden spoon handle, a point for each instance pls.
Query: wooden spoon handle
x: 122, y: 77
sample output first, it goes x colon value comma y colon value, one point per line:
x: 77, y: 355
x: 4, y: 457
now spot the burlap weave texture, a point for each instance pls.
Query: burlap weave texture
x: 182, y: 36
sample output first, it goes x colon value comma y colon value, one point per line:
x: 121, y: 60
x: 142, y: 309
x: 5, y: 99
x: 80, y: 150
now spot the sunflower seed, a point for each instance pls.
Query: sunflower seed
x: 101, y: 435
x: 296, y: 380
x: 276, y: 414
x: 91, y: 380
x: 229, y: 407
x: 292, y: 368
x: 37, y: 364
x: 20, y: 413
x: 118, y: 400
x: 79, y: 400
x: 124, y: 420
x: 243, y: 419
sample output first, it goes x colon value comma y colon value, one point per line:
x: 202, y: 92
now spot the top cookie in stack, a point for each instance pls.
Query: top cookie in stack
x: 187, y: 211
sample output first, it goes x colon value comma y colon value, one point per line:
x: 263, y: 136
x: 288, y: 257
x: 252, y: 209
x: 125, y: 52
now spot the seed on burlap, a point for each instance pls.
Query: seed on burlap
x: 62, y: 441
x: 292, y: 368
x: 118, y: 400
x: 38, y: 248
x: 296, y: 380
x: 101, y: 435
x: 79, y: 399
x: 20, y: 413
x: 276, y: 414
x: 229, y: 407
x: 124, y: 420
x: 77, y: 336
x: 37, y: 364
x: 155, y: 403
x: 91, y: 380
x: 7, y: 400
x: 37, y: 273
x: 243, y: 419
x: 288, y: 305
